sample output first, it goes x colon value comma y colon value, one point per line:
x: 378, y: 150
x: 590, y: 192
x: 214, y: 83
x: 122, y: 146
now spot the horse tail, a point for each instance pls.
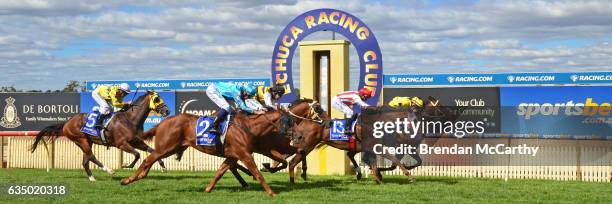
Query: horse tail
x: 52, y: 132
x: 148, y: 135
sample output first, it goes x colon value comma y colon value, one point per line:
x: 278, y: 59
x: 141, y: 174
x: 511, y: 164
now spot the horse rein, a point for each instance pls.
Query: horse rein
x: 319, y: 120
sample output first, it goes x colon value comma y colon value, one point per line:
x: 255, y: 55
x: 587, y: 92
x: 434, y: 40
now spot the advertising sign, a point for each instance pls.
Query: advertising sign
x: 34, y: 111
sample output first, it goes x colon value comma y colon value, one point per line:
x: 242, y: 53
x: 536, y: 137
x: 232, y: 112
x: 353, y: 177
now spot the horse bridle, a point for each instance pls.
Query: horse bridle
x: 437, y: 110
x: 314, y: 116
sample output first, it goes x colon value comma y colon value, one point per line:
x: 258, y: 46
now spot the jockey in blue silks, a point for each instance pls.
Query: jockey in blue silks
x: 221, y: 92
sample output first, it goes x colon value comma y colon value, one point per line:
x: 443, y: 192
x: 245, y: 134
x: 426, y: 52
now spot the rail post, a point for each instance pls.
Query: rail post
x: 2, y: 152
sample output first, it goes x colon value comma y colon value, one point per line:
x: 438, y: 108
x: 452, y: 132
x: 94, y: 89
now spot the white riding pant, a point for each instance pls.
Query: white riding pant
x: 216, y: 97
x: 338, y: 105
x: 103, y: 105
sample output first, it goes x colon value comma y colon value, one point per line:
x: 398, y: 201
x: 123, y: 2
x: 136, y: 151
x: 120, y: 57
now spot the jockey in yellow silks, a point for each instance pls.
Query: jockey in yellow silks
x: 403, y: 101
x: 107, y: 96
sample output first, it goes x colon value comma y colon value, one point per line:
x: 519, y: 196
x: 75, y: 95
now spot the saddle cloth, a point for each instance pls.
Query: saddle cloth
x: 206, y: 138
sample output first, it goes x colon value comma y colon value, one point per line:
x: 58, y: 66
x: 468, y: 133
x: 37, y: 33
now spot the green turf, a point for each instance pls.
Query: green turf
x: 187, y: 187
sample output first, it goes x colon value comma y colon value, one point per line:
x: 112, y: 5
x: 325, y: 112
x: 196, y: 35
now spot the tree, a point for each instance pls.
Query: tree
x: 74, y: 86
x: 6, y: 89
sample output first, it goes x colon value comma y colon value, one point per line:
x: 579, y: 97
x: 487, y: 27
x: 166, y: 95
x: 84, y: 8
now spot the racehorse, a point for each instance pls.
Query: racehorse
x: 124, y: 131
x: 245, y: 135
x: 433, y: 110
x: 310, y: 134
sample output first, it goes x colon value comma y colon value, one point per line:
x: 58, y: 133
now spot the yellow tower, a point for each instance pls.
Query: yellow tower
x: 325, y: 161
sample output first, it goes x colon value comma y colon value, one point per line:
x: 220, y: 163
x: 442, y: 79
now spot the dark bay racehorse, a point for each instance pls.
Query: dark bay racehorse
x: 245, y: 135
x: 124, y: 131
x: 308, y: 135
x: 433, y: 110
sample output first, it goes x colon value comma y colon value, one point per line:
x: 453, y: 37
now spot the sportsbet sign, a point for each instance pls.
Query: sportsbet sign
x: 351, y: 27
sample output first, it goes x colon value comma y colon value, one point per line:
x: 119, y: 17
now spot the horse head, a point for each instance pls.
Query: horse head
x: 302, y: 109
x: 153, y: 101
x: 434, y: 109
x: 156, y: 103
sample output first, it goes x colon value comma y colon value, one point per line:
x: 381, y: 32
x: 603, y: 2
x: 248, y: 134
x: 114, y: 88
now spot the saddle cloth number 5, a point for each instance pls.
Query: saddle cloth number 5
x: 91, y: 120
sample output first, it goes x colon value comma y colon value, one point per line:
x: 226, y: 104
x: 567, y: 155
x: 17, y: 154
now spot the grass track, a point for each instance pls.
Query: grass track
x: 187, y: 187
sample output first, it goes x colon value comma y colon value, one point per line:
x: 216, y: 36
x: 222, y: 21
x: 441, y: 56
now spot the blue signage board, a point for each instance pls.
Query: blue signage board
x: 499, y: 79
x: 577, y: 112
x: 175, y: 84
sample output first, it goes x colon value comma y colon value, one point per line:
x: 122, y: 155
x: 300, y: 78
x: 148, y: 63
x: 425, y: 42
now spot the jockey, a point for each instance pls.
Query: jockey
x: 405, y: 101
x: 106, y: 96
x: 270, y: 95
x: 221, y: 92
x: 343, y: 102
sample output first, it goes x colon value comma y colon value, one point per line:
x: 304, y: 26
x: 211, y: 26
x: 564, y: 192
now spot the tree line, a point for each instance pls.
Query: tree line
x: 71, y: 86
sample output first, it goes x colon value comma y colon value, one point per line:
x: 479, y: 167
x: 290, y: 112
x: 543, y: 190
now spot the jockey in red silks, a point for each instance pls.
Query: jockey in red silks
x: 344, y: 101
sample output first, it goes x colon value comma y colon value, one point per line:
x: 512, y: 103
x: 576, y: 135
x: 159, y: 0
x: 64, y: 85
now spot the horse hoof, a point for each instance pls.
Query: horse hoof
x: 272, y: 195
x: 208, y: 189
x: 92, y: 179
x: 164, y: 170
x: 358, y: 176
x: 125, y: 181
x: 108, y: 170
x: 411, y: 180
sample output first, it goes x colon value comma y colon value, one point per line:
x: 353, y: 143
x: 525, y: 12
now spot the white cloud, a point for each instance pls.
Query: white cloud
x: 145, y: 39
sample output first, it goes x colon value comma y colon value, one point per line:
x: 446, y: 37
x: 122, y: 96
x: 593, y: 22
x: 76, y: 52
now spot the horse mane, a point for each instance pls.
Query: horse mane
x: 301, y: 100
x: 140, y: 98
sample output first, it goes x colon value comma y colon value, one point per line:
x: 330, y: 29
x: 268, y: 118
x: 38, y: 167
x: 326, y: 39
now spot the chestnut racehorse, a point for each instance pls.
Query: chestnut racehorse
x: 124, y: 131
x: 245, y: 135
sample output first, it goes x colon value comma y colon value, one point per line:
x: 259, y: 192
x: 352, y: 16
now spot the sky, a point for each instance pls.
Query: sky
x: 46, y: 43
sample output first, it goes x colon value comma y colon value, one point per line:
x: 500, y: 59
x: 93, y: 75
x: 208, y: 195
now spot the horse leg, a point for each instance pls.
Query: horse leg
x: 371, y: 161
x: 229, y: 162
x: 139, y: 144
x: 243, y: 183
x: 356, y: 168
x: 144, y: 168
x: 86, y: 167
x: 294, y: 161
x: 418, y: 160
x: 129, y: 149
x: 304, y: 167
x: 396, y: 162
x: 88, y: 156
x: 276, y: 156
x: 247, y: 160
x: 244, y: 169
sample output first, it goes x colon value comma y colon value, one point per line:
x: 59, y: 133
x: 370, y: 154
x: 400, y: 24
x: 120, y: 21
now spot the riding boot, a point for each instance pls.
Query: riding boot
x: 219, y: 146
x: 349, y: 124
x: 100, y: 121
x: 221, y: 114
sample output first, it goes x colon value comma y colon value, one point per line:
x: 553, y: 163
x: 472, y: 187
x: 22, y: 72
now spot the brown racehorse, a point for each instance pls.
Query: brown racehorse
x: 308, y: 135
x: 245, y: 135
x: 124, y: 131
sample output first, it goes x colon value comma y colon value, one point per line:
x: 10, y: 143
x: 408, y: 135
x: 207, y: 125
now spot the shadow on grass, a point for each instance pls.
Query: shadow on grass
x: 165, y: 177
x: 277, y: 186
x: 406, y: 181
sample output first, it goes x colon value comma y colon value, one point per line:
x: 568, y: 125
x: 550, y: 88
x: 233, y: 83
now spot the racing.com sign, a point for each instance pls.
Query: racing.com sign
x: 499, y: 79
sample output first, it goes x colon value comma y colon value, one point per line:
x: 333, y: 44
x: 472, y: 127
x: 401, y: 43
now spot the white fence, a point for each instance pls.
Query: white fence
x: 66, y: 155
